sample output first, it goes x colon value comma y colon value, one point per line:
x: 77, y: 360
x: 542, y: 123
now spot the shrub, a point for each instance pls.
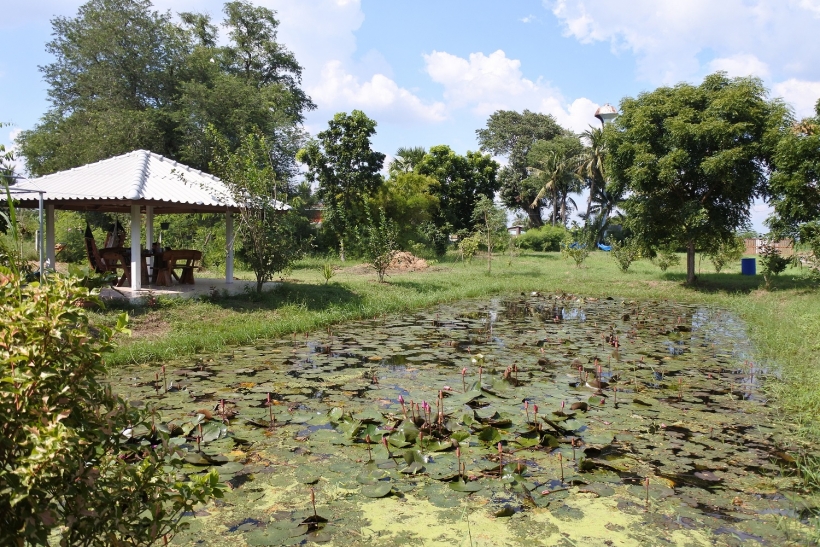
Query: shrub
x: 726, y: 252
x: 76, y: 459
x: 666, y: 258
x: 545, y: 238
x: 381, y: 240
x: 468, y: 247
x: 771, y: 262
x: 625, y: 252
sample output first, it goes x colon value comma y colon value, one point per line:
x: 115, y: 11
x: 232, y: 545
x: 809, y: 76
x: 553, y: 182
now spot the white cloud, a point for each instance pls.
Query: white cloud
x: 378, y: 95
x: 742, y: 64
x: 675, y: 40
x: 528, y: 18
x: 800, y: 93
x: 486, y: 83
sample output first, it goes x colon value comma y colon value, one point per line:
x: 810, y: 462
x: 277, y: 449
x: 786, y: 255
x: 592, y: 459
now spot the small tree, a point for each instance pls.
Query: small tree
x: 74, y: 457
x: 268, y: 233
x: 468, y: 246
x: 490, y: 220
x: 381, y: 241
x: 576, y: 245
x: 665, y: 258
x: 625, y: 252
x: 726, y: 251
x: 772, y: 263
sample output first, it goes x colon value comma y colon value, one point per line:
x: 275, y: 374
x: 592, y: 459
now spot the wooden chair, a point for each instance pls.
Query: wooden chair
x: 113, y: 259
x: 184, y: 260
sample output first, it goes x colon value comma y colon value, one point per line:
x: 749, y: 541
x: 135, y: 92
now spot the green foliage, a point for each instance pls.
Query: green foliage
x: 553, y: 165
x: 772, y: 263
x: 347, y: 170
x: 793, y: 183
x: 408, y: 199
x: 462, y: 180
x: 625, y: 252
x: 490, y: 221
x: 406, y: 160
x: 125, y: 76
x: 269, y: 235
x: 512, y: 134
x: 74, y: 457
x: 545, y: 238
x: 576, y: 245
x: 381, y: 244
x: 691, y: 159
x: 666, y: 258
x: 468, y: 247
x: 726, y: 252
x: 328, y: 271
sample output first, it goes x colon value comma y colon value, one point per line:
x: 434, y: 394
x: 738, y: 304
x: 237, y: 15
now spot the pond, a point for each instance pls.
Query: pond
x: 535, y: 419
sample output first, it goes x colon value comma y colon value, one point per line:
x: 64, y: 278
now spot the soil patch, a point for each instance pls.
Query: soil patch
x: 403, y: 262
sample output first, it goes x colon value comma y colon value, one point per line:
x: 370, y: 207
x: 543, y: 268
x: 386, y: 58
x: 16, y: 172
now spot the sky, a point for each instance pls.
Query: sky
x: 431, y: 72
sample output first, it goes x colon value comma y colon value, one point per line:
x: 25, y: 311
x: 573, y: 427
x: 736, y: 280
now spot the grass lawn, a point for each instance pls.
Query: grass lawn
x: 784, y: 323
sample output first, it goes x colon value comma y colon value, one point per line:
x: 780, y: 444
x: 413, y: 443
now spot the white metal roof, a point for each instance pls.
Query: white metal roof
x: 138, y: 177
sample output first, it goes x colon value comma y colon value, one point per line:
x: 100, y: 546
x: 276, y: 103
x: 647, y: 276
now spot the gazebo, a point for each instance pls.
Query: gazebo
x: 139, y: 183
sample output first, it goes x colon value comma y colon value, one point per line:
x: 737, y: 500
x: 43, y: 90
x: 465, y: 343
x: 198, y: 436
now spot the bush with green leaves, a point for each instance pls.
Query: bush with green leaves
x: 545, y: 238
x: 772, y: 263
x: 726, y: 252
x: 468, y: 247
x: 77, y: 461
x: 666, y: 258
x: 625, y: 252
x: 381, y: 243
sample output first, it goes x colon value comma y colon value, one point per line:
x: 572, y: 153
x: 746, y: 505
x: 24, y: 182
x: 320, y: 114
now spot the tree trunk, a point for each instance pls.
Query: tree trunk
x: 690, y: 262
x: 342, y: 251
x: 535, y: 216
x: 259, y: 283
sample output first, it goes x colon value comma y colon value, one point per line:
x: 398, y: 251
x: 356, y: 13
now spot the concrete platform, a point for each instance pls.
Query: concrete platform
x: 202, y: 287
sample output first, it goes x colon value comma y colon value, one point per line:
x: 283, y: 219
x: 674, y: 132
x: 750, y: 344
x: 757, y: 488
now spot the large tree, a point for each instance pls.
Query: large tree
x: 795, y: 183
x: 462, y: 180
x: 512, y: 134
x: 347, y: 170
x: 126, y: 76
x: 552, y: 166
x: 692, y: 159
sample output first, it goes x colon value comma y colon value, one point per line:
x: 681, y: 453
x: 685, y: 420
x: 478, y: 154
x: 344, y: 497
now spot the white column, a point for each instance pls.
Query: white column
x: 229, y: 248
x: 52, y: 261
x: 149, y: 232
x: 136, y: 232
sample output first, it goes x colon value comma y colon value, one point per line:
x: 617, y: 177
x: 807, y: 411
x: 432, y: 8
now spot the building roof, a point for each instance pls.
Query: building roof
x: 136, y: 178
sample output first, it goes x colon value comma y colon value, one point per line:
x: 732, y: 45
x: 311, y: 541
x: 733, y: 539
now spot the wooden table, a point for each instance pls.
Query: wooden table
x: 116, y: 258
x: 167, y: 262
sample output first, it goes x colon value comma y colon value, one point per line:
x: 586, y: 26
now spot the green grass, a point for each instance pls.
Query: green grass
x: 784, y: 323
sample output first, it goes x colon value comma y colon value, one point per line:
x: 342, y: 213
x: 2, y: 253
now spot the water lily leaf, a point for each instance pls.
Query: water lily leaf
x: 398, y: 440
x: 413, y: 455
x: 335, y: 414
x: 441, y: 446
x: 413, y: 469
x: 460, y: 435
x: 378, y: 490
x: 489, y: 435
x: 213, y: 431
x: 197, y: 458
x: 467, y: 487
x: 409, y: 430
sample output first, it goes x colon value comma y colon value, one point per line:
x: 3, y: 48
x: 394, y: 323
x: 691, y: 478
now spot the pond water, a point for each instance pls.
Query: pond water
x: 536, y: 419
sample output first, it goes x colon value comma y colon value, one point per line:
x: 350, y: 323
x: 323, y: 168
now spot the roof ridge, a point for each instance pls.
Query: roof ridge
x: 138, y: 185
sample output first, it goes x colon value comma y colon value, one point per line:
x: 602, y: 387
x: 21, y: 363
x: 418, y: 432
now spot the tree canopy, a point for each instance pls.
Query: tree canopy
x: 795, y: 183
x: 347, y: 170
x: 512, y: 134
x: 461, y: 181
x: 691, y: 159
x: 126, y: 76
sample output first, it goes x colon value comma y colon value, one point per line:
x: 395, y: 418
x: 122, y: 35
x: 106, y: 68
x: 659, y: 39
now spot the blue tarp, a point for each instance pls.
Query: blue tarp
x: 604, y: 247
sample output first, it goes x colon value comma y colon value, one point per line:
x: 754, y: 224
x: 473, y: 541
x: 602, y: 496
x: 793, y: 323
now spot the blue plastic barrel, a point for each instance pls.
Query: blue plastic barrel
x: 748, y: 266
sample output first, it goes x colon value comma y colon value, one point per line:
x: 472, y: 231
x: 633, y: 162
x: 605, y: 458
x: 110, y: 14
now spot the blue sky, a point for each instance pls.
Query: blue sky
x: 430, y: 72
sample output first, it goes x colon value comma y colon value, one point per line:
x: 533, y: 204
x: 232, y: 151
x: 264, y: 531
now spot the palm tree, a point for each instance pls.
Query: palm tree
x: 591, y: 161
x: 559, y: 180
x: 602, y: 210
x: 406, y: 160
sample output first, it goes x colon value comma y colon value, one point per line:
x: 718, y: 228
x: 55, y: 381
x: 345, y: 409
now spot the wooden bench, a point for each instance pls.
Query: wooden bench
x: 184, y: 260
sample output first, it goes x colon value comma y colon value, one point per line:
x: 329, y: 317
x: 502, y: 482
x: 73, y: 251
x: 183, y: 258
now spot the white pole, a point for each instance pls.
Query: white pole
x: 40, y: 249
x: 136, y: 232
x: 229, y: 248
x: 50, y: 256
x: 149, y: 232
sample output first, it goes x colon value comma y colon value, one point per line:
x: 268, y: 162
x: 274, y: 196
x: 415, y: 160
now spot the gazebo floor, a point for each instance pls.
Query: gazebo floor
x: 202, y: 287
